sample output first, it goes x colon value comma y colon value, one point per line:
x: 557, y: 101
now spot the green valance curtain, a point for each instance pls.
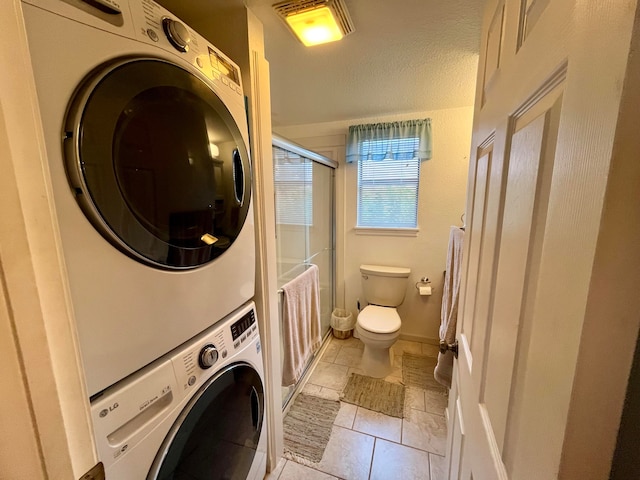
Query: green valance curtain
x: 378, y: 141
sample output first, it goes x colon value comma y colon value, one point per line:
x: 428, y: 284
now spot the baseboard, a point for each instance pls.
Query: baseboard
x: 421, y: 339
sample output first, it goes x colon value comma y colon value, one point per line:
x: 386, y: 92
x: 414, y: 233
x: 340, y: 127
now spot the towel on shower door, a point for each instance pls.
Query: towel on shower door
x: 300, y: 323
x: 449, y: 312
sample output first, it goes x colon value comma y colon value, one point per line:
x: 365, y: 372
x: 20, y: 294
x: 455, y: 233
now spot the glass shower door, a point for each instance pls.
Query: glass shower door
x: 305, y: 223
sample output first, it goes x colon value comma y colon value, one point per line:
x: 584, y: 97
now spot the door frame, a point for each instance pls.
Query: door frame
x: 611, y: 326
x: 48, y: 433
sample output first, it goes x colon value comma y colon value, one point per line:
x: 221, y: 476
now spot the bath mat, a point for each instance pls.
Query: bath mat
x: 375, y: 394
x: 307, y: 428
x: 417, y: 371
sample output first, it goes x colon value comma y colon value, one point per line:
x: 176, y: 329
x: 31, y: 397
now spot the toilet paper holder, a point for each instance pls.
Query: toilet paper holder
x: 423, y: 282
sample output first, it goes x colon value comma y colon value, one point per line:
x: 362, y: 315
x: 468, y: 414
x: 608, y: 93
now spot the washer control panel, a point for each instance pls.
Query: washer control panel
x: 243, y: 329
x: 208, y: 356
x: 212, y: 349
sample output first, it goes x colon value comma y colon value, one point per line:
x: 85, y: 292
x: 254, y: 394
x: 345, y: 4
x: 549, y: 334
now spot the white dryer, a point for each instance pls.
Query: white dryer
x: 197, y: 413
x: 147, y: 143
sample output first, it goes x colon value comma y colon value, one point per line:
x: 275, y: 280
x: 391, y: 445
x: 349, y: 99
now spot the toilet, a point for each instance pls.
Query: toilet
x: 378, y: 324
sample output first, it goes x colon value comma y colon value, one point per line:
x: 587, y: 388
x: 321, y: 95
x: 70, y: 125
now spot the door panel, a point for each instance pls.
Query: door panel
x: 486, y: 252
x: 530, y: 167
x: 456, y: 431
x: 475, y: 241
x: 495, y: 38
x: 530, y: 13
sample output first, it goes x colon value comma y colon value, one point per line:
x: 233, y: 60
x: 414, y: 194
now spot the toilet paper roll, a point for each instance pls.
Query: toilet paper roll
x: 426, y: 290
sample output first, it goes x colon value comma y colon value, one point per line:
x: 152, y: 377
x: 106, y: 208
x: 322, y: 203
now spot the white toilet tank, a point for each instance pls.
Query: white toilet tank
x: 383, y: 285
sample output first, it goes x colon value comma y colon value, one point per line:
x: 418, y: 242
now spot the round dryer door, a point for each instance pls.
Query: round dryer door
x: 217, y: 434
x: 158, y: 163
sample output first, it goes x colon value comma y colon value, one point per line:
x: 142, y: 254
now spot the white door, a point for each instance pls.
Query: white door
x: 550, y: 82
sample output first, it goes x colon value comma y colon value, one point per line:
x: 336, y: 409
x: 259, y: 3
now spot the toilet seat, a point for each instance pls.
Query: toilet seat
x: 376, y: 319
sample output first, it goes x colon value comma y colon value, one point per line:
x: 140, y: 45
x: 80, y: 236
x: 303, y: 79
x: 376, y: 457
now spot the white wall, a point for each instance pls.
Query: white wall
x: 442, y: 199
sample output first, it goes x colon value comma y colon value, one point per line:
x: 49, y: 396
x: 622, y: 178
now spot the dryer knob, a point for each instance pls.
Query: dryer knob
x: 177, y: 34
x: 208, y: 356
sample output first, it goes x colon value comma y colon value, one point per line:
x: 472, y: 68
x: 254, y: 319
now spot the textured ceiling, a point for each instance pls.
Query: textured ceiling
x: 404, y: 56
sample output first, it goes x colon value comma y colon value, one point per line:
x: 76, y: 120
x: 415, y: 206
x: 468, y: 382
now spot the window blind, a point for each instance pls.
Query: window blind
x: 293, y: 178
x: 388, y: 188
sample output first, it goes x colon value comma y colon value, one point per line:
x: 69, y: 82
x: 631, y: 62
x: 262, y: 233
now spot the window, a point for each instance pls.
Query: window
x: 388, y: 188
x: 389, y: 157
x: 293, y: 177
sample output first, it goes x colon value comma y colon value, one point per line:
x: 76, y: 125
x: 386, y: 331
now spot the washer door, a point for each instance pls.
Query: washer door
x: 158, y: 163
x: 217, y: 434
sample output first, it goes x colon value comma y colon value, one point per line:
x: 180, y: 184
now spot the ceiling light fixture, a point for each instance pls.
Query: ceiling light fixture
x: 316, y: 21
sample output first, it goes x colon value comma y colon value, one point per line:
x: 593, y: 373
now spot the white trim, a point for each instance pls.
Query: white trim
x: 420, y: 339
x: 37, y: 312
x: 388, y: 232
x: 266, y: 282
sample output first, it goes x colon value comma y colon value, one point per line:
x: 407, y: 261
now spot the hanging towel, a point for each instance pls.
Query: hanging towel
x: 300, y: 323
x: 449, y: 312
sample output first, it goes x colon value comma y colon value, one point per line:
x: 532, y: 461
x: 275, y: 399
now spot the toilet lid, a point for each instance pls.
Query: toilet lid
x: 377, y: 319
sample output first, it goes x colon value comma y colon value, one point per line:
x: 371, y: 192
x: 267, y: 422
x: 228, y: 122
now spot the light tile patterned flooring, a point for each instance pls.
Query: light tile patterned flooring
x: 369, y: 445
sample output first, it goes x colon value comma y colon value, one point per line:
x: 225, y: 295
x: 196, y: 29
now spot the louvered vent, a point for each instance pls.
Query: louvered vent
x: 337, y: 7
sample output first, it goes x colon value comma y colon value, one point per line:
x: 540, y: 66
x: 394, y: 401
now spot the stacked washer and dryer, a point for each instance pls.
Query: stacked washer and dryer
x: 147, y: 143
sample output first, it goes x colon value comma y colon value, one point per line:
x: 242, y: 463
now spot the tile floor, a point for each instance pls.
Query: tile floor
x: 367, y: 445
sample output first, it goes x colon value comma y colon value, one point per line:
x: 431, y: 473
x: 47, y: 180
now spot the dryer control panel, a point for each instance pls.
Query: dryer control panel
x: 155, y: 25
x: 152, y: 24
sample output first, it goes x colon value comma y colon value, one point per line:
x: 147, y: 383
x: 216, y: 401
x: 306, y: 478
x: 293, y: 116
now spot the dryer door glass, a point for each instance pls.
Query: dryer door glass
x: 158, y: 163
x: 217, y: 434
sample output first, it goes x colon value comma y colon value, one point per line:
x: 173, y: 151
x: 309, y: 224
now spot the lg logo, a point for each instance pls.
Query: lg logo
x: 104, y: 412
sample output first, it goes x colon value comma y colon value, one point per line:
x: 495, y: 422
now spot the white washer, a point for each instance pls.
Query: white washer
x: 197, y: 413
x: 146, y: 133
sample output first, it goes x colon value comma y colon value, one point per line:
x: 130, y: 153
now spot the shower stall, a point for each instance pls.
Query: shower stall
x: 305, y: 224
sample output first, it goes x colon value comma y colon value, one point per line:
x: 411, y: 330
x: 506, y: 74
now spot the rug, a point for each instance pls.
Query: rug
x: 375, y: 394
x: 307, y: 428
x: 417, y: 371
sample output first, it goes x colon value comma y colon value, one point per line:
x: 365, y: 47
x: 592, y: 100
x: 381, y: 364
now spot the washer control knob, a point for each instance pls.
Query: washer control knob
x: 208, y: 356
x: 177, y: 34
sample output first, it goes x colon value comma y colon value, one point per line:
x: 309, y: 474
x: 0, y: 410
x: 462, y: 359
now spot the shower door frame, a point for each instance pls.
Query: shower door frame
x: 281, y: 142
x: 285, y: 144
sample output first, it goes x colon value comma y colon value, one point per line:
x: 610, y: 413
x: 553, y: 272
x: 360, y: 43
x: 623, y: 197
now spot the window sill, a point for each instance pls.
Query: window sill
x: 388, y: 232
